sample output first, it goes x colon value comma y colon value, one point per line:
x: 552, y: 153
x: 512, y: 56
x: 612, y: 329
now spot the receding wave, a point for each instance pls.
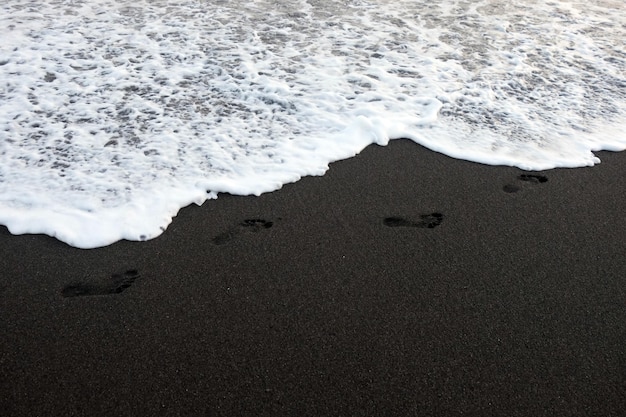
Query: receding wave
x: 115, y: 114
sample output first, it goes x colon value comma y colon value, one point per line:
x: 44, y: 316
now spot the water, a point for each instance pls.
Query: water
x: 115, y: 114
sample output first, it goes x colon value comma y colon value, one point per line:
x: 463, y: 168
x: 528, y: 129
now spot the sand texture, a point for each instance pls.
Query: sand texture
x: 401, y: 283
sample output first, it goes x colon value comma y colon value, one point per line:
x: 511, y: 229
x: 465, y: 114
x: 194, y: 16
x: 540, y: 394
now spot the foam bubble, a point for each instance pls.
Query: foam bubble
x: 115, y: 114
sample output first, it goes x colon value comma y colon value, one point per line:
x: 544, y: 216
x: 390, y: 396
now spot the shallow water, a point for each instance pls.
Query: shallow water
x: 114, y: 115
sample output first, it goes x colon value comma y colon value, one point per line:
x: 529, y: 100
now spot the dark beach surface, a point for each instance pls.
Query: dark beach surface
x: 402, y: 282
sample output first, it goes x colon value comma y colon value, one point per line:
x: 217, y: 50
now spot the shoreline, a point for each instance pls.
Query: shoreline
x: 402, y: 282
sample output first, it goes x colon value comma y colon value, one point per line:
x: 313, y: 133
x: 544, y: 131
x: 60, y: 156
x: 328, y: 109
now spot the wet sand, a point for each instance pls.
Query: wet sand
x: 401, y: 283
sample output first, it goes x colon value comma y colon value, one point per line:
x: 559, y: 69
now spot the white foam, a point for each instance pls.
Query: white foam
x: 114, y: 115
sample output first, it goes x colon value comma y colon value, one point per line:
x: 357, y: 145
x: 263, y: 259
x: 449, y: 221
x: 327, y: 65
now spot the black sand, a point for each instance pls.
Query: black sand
x: 402, y: 283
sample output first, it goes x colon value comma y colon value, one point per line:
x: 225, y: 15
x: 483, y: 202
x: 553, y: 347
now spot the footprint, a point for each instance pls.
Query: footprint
x: 430, y: 221
x: 427, y: 221
x: 527, y: 178
x: 250, y: 225
x: 255, y: 225
x: 535, y: 179
x: 397, y: 222
x: 116, y: 284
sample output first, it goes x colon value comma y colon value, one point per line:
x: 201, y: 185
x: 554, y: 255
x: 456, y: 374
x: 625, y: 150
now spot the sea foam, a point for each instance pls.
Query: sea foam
x: 115, y: 114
